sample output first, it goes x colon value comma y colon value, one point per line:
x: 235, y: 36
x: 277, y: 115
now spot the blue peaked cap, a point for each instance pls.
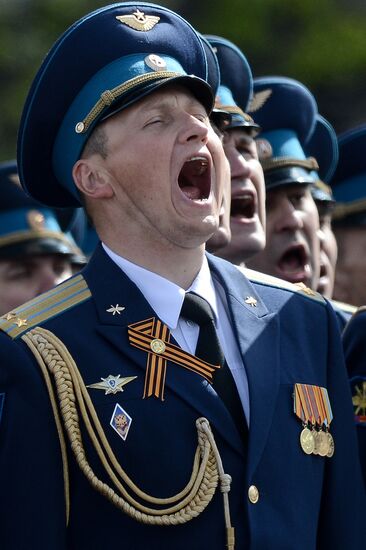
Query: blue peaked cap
x: 236, y: 82
x: 349, y: 180
x: 286, y: 112
x: 323, y: 146
x: 27, y: 227
x: 106, y: 61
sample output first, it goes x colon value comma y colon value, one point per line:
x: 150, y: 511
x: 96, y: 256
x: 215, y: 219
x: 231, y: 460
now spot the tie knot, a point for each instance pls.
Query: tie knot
x: 197, y: 309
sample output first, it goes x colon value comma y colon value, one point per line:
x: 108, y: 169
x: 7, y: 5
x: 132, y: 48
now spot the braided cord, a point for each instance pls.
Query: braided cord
x: 207, y: 466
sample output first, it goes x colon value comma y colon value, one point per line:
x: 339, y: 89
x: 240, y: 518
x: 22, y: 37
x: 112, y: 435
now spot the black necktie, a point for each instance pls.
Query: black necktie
x: 208, y: 348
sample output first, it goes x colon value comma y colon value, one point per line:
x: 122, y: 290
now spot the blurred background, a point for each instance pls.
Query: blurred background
x: 322, y: 43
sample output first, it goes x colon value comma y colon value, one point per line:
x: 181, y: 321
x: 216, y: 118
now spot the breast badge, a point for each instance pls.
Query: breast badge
x: 312, y: 407
x: 121, y: 421
x: 358, y: 387
x: 112, y: 384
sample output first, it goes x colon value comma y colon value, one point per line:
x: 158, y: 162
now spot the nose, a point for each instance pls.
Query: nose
x: 239, y: 167
x: 193, y: 129
x: 47, y: 278
x: 288, y: 218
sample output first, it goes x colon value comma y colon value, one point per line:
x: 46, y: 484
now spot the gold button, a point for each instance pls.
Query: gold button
x: 157, y: 346
x: 253, y: 494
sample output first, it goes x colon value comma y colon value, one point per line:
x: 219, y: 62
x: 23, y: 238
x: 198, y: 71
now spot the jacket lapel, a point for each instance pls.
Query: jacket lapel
x: 257, y: 332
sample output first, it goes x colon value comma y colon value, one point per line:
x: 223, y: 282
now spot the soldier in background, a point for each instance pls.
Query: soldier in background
x: 286, y: 111
x: 247, y: 212
x: 35, y: 255
x: 349, y: 219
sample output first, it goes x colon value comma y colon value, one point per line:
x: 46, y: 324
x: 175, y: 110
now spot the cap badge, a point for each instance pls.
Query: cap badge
x: 121, y: 421
x: 155, y: 62
x: 36, y: 220
x: 112, y: 384
x: 264, y: 149
x: 115, y: 309
x: 139, y: 21
x: 258, y: 100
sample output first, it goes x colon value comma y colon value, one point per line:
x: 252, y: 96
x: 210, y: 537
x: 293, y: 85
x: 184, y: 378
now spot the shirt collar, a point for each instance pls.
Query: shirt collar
x: 166, y: 298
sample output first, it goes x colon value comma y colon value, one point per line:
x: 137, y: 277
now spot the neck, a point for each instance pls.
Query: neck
x: 178, y: 265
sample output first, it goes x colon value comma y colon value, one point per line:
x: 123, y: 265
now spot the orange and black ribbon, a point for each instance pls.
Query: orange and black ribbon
x: 311, y: 404
x: 152, y: 336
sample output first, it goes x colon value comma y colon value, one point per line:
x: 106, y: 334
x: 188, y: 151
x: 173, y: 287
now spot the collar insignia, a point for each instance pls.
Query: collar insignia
x: 112, y: 384
x: 115, y: 309
x: 251, y: 301
x: 139, y: 21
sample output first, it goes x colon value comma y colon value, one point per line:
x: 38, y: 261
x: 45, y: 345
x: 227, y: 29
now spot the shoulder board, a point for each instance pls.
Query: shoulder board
x: 269, y: 280
x: 348, y: 308
x: 46, y: 306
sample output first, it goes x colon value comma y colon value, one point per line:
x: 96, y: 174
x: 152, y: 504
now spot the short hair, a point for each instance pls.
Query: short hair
x: 97, y: 143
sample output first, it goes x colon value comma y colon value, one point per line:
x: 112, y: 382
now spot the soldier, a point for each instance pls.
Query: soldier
x: 286, y: 112
x: 247, y: 213
x: 355, y: 351
x: 35, y: 255
x: 323, y: 146
x: 139, y: 433
x: 349, y: 217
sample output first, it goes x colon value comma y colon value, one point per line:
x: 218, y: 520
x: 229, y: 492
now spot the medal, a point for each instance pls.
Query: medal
x: 312, y: 407
x: 330, y: 452
x: 322, y: 443
x: 307, y: 441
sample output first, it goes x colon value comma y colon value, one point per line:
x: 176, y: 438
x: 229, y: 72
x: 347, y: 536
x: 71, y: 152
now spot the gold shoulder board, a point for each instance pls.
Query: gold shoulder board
x: 50, y: 304
x: 269, y: 280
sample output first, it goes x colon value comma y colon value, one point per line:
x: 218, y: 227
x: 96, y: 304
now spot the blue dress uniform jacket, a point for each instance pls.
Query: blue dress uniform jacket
x: 305, y: 501
x: 354, y: 339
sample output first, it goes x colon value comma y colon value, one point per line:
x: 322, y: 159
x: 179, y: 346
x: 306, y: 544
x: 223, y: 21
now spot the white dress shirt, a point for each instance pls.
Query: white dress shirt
x: 166, y: 299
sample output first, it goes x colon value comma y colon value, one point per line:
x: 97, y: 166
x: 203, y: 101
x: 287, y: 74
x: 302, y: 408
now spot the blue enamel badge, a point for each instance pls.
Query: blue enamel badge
x: 121, y: 421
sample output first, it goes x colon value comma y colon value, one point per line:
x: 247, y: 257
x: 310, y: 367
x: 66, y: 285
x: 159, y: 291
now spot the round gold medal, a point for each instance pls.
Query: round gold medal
x: 330, y: 452
x: 323, y: 443
x: 307, y: 441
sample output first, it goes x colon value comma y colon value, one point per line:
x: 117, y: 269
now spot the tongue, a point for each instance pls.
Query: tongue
x: 192, y: 193
x: 290, y: 263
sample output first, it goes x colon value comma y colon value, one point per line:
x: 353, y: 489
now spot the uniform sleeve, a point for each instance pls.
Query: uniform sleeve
x: 341, y: 523
x: 31, y: 472
x: 354, y: 341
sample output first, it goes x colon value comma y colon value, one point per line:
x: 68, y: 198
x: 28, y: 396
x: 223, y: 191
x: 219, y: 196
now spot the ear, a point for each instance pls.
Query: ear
x: 91, y: 179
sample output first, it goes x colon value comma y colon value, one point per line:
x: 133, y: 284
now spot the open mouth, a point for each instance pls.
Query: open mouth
x: 294, y: 264
x: 194, y: 178
x: 243, y: 206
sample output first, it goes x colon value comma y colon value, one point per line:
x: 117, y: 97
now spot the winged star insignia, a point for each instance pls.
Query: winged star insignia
x: 112, y: 384
x: 115, y: 309
x: 139, y: 21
